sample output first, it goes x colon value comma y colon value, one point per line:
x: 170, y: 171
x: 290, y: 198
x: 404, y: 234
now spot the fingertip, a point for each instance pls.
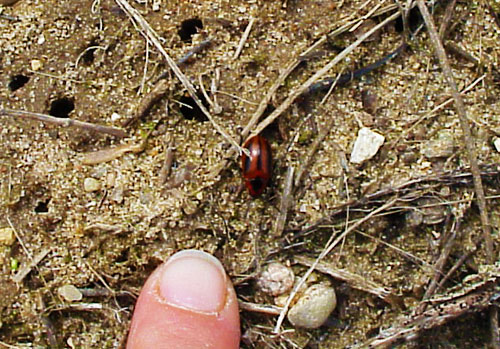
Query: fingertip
x: 188, y: 302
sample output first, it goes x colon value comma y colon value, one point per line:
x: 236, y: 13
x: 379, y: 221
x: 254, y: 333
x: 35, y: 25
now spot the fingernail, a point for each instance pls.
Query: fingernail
x: 194, y: 280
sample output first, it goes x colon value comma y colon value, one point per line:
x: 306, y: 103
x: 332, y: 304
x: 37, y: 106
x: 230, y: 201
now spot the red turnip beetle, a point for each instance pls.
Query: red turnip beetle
x: 256, y: 168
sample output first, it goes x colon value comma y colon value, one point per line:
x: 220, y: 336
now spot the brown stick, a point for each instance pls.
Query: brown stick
x: 471, y: 152
x: 48, y: 119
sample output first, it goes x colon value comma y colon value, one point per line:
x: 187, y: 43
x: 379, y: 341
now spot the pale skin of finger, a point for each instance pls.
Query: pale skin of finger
x: 157, y: 324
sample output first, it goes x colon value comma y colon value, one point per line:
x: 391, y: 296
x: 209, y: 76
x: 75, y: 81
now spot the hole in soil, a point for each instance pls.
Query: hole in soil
x: 190, y: 110
x: 88, y: 55
x: 42, y: 206
x: 60, y: 108
x: 414, y: 20
x: 18, y: 81
x: 189, y: 27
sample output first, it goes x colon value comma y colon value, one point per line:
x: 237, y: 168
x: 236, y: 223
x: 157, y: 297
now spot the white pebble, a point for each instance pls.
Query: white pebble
x: 70, y: 293
x: 36, y: 65
x: 314, y: 307
x: 496, y: 142
x: 7, y: 236
x: 366, y: 146
x: 91, y: 184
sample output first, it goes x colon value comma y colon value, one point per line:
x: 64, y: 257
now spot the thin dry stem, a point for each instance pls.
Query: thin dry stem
x: 305, y: 163
x: 110, y: 154
x: 148, y: 101
x: 259, y: 308
x: 410, y: 327
x: 26, y: 269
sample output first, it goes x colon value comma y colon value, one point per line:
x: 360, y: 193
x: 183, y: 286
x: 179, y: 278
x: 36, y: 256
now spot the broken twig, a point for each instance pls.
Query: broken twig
x: 48, y: 119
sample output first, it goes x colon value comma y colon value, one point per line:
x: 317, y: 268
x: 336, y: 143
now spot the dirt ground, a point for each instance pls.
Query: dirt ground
x: 104, y: 227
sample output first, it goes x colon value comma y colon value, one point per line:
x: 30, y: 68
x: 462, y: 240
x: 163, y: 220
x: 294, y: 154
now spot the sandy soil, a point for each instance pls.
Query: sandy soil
x: 104, y: 227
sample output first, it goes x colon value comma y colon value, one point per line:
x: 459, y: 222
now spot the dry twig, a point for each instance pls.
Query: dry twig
x: 26, y: 269
x: 306, y: 162
x: 259, y: 308
x: 448, y: 14
x: 167, y: 165
x: 48, y: 119
x: 442, y: 310
x: 244, y: 38
x: 197, y: 49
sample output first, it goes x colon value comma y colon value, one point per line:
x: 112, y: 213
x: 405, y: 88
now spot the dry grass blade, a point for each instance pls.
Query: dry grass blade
x: 320, y: 73
x: 244, y: 38
x: 354, y: 280
x: 471, y: 152
x: 106, y: 155
x: 152, y: 36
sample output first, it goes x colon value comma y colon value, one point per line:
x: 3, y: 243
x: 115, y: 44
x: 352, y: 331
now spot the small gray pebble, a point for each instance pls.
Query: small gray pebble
x: 276, y: 279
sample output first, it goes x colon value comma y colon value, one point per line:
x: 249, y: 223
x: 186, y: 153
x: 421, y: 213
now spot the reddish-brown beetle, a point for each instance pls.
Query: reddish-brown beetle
x: 256, y: 167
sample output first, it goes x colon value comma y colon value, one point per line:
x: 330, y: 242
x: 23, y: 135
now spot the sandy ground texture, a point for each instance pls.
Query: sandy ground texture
x: 80, y: 231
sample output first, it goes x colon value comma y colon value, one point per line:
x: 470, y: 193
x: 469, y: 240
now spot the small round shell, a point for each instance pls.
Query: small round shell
x: 276, y: 279
x: 314, y: 307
